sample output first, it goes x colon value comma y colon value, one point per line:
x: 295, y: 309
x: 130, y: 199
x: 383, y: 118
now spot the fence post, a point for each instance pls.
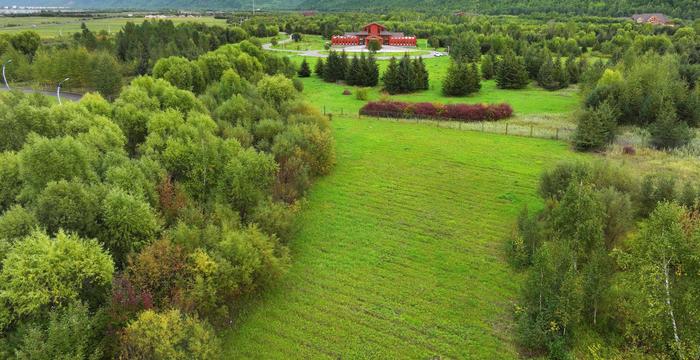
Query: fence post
x: 324, y: 109
x: 556, y: 136
x: 506, y: 128
x: 530, y: 130
x: 460, y: 125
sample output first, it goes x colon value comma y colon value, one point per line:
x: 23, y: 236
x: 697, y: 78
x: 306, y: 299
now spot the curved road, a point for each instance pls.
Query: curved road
x: 317, y: 53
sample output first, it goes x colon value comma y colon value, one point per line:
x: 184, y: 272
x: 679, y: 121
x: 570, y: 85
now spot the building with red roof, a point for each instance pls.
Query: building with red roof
x: 371, y: 32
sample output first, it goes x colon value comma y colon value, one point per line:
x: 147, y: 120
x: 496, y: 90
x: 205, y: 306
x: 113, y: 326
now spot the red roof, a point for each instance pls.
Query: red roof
x: 381, y: 27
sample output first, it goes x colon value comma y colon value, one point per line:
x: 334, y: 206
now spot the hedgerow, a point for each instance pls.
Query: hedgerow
x: 457, y: 112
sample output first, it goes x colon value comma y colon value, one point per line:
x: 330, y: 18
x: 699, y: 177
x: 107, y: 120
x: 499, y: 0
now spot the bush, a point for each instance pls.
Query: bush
x: 347, y: 92
x: 459, y: 112
x: 169, y: 335
x: 362, y: 94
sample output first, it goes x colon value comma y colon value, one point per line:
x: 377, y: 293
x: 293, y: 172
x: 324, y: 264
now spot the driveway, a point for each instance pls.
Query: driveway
x: 352, y: 50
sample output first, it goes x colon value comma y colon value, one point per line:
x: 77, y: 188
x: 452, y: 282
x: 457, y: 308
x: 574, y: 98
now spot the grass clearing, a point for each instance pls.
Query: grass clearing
x: 399, y: 253
x: 53, y: 27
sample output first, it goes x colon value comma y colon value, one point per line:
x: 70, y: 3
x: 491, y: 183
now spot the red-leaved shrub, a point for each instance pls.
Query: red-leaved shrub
x: 459, y: 112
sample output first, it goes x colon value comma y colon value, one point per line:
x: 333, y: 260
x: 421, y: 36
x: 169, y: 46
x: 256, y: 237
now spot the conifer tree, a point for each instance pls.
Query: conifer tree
x: 562, y: 74
x: 421, y: 74
x: 318, y: 69
x: 667, y: 131
x: 304, y: 70
x: 391, y: 77
x: 371, y: 71
x: 596, y: 128
x: 488, y: 66
x: 548, y: 75
x: 474, y: 80
x: 573, y: 70
x: 534, y: 58
x: 354, y: 72
x: 465, y: 48
x: 511, y: 73
x: 407, y: 75
x: 454, y: 83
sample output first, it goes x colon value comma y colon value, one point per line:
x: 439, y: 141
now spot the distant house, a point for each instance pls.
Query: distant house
x: 374, y: 31
x: 655, y: 19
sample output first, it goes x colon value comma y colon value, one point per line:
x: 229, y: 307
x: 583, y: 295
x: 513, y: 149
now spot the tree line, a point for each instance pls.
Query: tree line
x: 611, y: 255
x: 148, y: 219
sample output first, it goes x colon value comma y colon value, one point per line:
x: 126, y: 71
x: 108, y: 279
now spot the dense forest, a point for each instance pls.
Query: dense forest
x: 150, y: 218
x: 618, y: 8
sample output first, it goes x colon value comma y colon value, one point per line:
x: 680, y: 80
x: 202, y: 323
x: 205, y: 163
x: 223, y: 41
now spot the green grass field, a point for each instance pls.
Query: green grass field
x: 51, y: 27
x: 530, y: 101
x: 400, y: 250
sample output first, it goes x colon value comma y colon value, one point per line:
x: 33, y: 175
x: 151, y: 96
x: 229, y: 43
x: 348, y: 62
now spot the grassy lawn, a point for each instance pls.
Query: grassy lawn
x: 51, y: 27
x: 527, y: 102
x: 399, y: 253
x: 308, y: 42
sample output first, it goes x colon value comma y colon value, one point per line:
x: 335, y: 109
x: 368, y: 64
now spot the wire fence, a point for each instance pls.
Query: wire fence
x: 494, y: 127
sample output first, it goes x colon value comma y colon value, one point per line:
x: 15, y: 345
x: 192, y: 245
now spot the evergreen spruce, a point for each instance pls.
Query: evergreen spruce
x: 407, y: 75
x: 354, y: 72
x: 474, y: 79
x: 534, y: 58
x: 371, y: 70
x: 596, y: 128
x: 391, y: 77
x: 511, y: 73
x: 488, y: 66
x: 421, y: 74
x: 573, y: 70
x: 667, y: 132
x: 562, y: 74
x: 318, y: 69
x: 304, y: 70
x: 465, y: 48
x: 548, y: 76
x: 454, y: 82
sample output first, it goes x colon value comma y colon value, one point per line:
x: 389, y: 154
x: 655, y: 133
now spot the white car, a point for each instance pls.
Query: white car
x: 438, y: 54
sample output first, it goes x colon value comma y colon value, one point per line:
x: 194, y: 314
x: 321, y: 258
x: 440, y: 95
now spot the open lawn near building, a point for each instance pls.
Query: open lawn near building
x: 526, y: 102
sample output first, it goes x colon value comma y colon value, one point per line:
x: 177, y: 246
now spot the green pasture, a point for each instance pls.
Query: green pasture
x: 526, y: 102
x: 399, y: 252
x: 51, y: 27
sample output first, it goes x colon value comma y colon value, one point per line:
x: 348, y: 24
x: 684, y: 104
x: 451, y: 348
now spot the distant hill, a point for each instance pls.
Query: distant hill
x: 674, y: 8
x: 159, y: 4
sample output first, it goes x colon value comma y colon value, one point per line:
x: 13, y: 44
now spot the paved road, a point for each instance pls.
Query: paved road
x: 64, y: 95
x: 350, y: 50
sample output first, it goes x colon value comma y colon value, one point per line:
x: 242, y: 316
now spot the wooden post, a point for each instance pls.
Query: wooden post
x: 530, y: 130
x: 556, y: 136
x: 324, y: 109
x: 460, y: 125
x: 506, y: 128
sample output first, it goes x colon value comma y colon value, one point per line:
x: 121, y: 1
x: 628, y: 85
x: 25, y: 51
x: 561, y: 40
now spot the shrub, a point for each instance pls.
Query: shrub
x: 362, y: 94
x: 459, y: 112
x: 169, y: 335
